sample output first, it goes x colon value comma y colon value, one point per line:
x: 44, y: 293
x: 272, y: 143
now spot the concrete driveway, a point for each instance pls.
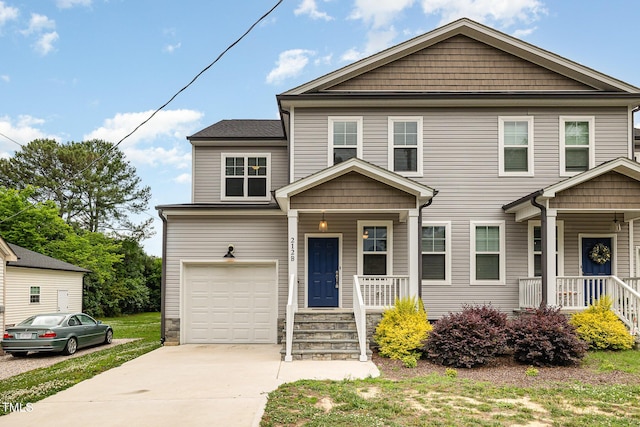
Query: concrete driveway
x: 188, y: 385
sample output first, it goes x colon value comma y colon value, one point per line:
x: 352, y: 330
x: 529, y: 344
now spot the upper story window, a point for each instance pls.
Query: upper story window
x: 246, y: 177
x: 516, y: 146
x: 577, y: 145
x: 374, y: 248
x: 487, y: 252
x: 436, y: 252
x: 405, y: 145
x: 345, y: 139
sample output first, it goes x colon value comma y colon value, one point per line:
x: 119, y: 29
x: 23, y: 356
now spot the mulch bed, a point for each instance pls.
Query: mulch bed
x: 505, y: 371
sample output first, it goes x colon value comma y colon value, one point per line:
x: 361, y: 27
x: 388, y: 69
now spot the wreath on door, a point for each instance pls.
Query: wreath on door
x: 600, y: 253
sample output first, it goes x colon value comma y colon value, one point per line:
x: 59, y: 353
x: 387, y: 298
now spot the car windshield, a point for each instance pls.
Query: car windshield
x: 49, y: 320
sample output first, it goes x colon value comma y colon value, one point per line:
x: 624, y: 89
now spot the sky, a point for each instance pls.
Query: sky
x: 75, y: 70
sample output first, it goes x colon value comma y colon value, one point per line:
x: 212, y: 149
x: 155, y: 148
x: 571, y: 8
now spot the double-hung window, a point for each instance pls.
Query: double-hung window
x: 345, y: 139
x: 405, y: 145
x: 246, y: 177
x: 535, y: 248
x: 487, y: 252
x: 375, y: 248
x: 577, y: 145
x: 34, y: 294
x: 515, y: 136
x: 436, y: 252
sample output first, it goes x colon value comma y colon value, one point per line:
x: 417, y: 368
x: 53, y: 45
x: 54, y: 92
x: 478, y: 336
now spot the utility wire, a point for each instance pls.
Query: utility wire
x: 161, y: 107
x: 11, y: 139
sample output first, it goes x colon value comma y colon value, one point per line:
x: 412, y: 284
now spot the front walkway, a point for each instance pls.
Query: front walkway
x: 188, y: 385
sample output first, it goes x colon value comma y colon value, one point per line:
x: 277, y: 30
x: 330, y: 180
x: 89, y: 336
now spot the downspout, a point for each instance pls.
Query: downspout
x: 163, y: 280
x: 435, y: 192
x: 543, y: 244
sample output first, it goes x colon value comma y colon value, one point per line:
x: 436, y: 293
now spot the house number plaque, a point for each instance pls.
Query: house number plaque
x: 293, y: 249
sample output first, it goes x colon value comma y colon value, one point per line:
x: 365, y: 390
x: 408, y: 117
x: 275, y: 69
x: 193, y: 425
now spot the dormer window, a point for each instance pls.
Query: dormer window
x: 246, y: 177
x: 345, y: 139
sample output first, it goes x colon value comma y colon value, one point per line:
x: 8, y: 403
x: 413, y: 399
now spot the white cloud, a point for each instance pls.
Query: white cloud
x: 44, y: 44
x: 324, y: 60
x: 142, y: 147
x: 309, y: 7
x: 5, y: 78
x: 39, y: 23
x: 491, y: 12
x: 170, y: 48
x: 66, y: 4
x: 377, y: 40
x: 290, y: 64
x: 7, y: 13
x: 523, y: 32
x: 379, y: 13
x: 20, y: 131
x: 184, y: 178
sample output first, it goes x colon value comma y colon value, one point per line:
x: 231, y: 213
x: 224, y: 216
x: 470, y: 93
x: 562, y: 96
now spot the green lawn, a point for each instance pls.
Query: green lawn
x: 35, y: 385
x: 440, y: 400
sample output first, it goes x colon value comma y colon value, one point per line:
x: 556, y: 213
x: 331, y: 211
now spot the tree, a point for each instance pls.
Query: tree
x: 92, y: 184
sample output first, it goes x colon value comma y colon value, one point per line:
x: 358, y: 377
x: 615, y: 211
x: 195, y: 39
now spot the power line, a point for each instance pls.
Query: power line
x: 163, y: 105
x: 11, y: 139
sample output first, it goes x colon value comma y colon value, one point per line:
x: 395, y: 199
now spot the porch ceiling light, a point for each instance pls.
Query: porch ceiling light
x: 323, y: 226
x: 616, y: 226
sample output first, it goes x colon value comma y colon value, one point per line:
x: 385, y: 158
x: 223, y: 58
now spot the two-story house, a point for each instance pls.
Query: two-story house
x: 461, y: 166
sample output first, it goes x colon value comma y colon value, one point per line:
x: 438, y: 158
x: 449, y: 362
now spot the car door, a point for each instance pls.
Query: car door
x: 90, y: 331
x: 76, y: 329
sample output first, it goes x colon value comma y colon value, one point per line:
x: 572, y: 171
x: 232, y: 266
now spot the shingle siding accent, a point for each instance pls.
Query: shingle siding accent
x: 609, y: 191
x: 460, y: 64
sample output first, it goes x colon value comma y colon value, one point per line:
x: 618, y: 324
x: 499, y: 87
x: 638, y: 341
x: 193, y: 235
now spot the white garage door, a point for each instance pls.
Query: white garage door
x: 230, y: 303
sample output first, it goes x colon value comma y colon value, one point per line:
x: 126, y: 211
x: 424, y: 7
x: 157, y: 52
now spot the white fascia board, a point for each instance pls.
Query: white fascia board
x: 167, y: 212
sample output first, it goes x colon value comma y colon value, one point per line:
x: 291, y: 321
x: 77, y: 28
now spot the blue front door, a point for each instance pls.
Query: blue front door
x: 594, y: 265
x: 323, y: 272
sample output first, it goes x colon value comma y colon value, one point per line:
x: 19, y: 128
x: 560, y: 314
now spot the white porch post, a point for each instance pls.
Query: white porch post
x: 550, y: 253
x: 413, y: 242
x: 292, y: 242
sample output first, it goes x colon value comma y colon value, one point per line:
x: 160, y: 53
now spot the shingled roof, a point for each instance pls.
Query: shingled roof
x: 241, y: 129
x: 31, y: 259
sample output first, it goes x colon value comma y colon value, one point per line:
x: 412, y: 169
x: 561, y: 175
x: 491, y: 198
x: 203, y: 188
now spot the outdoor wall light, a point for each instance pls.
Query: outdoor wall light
x: 616, y: 226
x: 229, y: 253
x: 323, y: 226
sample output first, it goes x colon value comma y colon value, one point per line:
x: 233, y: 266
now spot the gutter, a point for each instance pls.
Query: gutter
x: 426, y: 205
x: 543, y: 244
x: 163, y: 281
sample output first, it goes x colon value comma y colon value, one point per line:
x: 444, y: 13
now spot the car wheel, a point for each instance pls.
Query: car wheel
x: 19, y: 353
x: 108, y: 337
x: 71, y: 347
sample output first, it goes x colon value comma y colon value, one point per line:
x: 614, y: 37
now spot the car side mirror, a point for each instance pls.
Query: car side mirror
x: 99, y: 322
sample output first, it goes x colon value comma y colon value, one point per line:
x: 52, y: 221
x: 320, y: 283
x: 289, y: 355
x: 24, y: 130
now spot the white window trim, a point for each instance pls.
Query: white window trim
x: 592, y: 142
x: 472, y: 252
x: 389, y: 225
x: 331, y: 120
x: 530, y: 149
x: 560, y: 251
x: 447, y: 256
x: 223, y: 189
x: 418, y: 119
x: 39, y: 294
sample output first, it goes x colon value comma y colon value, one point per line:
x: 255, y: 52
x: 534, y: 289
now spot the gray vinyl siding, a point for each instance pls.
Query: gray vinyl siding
x: 207, y: 238
x: 207, y: 173
x: 460, y: 156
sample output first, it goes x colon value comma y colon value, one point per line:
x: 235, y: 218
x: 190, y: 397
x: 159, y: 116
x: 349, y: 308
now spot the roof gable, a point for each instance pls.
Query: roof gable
x: 555, y: 64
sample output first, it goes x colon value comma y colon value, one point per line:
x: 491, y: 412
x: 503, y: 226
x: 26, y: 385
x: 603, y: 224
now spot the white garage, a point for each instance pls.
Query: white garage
x: 229, y: 302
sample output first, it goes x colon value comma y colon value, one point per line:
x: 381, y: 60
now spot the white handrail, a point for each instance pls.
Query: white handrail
x: 380, y: 292
x: 626, y: 302
x: 292, y: 308
x: 360, y: 314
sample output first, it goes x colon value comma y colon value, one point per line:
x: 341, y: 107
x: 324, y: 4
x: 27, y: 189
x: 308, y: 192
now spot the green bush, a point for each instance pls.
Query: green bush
x: 599, y: 327
x: 402, y: 330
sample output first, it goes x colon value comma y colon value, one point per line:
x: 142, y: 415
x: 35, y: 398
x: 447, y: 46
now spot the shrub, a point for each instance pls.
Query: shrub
x: 599, y: 327
x: 545, y: 338
x: 470, y: 338
x: 402, y: 330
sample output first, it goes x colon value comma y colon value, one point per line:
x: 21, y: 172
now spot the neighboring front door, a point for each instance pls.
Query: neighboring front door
x: 323, y: 271
x: 63, y: 301
x: 594, y: 264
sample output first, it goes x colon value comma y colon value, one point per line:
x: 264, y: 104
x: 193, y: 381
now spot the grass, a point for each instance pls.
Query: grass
x: 445, y: 400
x: 35, y: 385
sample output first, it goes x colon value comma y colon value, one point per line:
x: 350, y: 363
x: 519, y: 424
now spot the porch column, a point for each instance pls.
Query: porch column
x: 413, y: 243
x: 550, y: 253
x: 292, y: 242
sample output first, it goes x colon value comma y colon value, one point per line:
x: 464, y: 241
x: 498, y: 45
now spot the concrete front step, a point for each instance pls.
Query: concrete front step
x: 326, y: 354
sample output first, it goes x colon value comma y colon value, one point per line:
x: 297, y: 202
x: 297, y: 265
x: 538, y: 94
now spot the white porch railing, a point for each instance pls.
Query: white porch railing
x: 379, y: 292
x: 360, y: 313
x: 292, y: 309
x: 578, y: 292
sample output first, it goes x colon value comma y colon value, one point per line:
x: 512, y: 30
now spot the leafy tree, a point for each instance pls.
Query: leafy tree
x: 153, y: 275
x: 91, y: 182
